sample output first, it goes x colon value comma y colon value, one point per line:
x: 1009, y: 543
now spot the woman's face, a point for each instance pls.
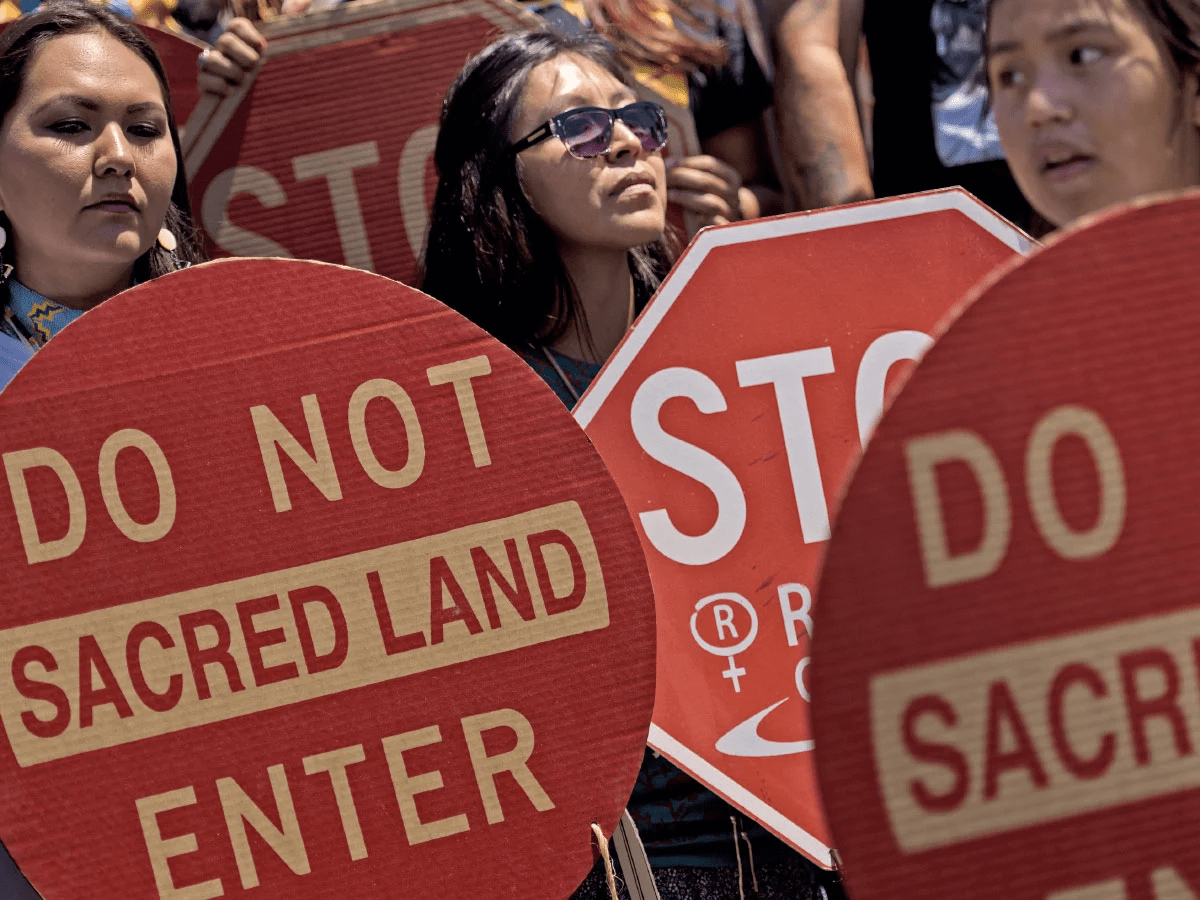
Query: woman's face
x: 86, y: 162
x: 1088, y: 105
x: 614, y: 201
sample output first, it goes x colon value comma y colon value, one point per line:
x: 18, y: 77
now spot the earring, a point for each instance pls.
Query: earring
x: 167, y: 241
x: 5, y: 269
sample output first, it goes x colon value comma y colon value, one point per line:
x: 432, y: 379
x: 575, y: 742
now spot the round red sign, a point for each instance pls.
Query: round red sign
x: 1006, y: 694
x: 312, y: 589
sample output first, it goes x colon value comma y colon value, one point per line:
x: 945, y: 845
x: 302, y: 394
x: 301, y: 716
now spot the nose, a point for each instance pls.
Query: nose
x: 114, y: 156
x: 624, y: 142
x: 1048, y: 101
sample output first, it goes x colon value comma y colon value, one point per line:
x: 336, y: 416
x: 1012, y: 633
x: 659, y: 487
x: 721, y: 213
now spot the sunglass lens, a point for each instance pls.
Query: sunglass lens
x: 647, y: 121
x: 587, y: 132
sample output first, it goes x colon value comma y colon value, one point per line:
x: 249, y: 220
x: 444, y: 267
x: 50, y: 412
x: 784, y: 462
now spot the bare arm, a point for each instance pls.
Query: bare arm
x: 824, y: 160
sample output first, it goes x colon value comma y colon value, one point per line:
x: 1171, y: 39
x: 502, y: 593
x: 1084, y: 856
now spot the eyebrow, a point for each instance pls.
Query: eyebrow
x: 1069, y: 29
x: 574, y: 101
x: 1066, y: 30
x: 90, y: 103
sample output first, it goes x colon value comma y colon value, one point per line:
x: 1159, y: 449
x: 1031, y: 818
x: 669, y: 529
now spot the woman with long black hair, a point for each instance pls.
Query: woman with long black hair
x: 547, y: 231
x: 547, y: 224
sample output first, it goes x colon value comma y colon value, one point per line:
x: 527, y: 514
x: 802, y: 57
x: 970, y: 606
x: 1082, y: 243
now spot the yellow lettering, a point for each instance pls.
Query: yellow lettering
x: 161, y: 850
x: 460, y: 374
x: 131, y: 438
x: 335, y: 763
x: 284, y: 839
x: 318, y: 467
x: 408, y: 786
x: 515, y: 761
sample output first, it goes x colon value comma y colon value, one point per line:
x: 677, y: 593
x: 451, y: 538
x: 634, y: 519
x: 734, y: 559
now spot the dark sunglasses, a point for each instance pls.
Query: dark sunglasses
x: 587, y: 130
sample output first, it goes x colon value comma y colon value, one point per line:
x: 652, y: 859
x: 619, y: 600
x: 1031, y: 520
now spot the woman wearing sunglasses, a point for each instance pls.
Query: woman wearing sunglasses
x: 547, y: 231
x: 547, y: 223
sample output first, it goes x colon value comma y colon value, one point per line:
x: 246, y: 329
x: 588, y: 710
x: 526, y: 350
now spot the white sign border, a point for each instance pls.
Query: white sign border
x: 755, y: 806
x: 783, y: 226
x: 739, y: 233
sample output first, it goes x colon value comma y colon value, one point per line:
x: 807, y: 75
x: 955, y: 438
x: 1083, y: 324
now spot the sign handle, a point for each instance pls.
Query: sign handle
x: 635, y: 865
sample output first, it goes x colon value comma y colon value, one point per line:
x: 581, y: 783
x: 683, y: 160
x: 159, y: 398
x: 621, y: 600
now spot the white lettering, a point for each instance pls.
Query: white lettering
x: 786, y: 372
x: 689, y: 460
x: 214, y: 210
x: 337, y: 167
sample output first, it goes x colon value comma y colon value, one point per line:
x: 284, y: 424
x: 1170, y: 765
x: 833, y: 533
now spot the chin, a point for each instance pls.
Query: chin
x: 124, y: 251
x: 646, y: 231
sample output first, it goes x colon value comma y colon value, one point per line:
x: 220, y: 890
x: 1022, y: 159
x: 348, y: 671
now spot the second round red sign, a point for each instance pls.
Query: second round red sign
x: 1006, y: 691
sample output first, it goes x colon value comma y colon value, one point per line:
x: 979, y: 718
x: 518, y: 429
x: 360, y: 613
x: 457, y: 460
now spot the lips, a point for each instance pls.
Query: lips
x: 633, y: 180
x: 116, y: 203
x: 1062, y: 160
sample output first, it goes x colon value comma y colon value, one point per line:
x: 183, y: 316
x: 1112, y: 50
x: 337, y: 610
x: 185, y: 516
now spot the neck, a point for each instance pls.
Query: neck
x: 605, y: 291
x: 76, y: 287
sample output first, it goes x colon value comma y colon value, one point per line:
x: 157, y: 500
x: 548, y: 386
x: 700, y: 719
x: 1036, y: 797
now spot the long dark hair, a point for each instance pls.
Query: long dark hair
x: 20, y: 43
x: 489, y: 255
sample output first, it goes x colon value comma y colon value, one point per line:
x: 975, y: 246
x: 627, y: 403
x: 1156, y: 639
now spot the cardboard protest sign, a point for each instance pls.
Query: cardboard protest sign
x: 730, y: 416
x: 1006, y: 675
x: 179, y: 54
x: 327, y: 152
x: 312, y: 588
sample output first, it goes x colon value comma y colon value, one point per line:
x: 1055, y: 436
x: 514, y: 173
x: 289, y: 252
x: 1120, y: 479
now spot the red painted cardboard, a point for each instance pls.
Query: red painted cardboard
x: 327, y: 153
x: 179, y: 54
x: 356, y: 606
x: 1006, y: 675
x: 730, y: 417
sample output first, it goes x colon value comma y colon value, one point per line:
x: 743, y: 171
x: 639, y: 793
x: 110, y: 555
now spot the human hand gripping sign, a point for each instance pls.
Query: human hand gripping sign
x: 710, y: 189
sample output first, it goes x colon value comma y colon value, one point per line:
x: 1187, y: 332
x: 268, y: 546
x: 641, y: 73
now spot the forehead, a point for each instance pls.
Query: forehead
x: 89, y: 64
x: 570, y: 80
x: 1025, y: 20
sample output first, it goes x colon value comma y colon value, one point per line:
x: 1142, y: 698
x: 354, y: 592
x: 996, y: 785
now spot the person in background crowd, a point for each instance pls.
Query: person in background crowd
x: 93, y: 197
x: 1097, y: 101
x: 546, y: 231
x: 931, y: 126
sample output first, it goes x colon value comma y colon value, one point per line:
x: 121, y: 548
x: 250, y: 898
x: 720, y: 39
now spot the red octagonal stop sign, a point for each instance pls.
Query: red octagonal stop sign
x: 730, y: 417
x: 312, y: 590
x: 1007, y: 694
